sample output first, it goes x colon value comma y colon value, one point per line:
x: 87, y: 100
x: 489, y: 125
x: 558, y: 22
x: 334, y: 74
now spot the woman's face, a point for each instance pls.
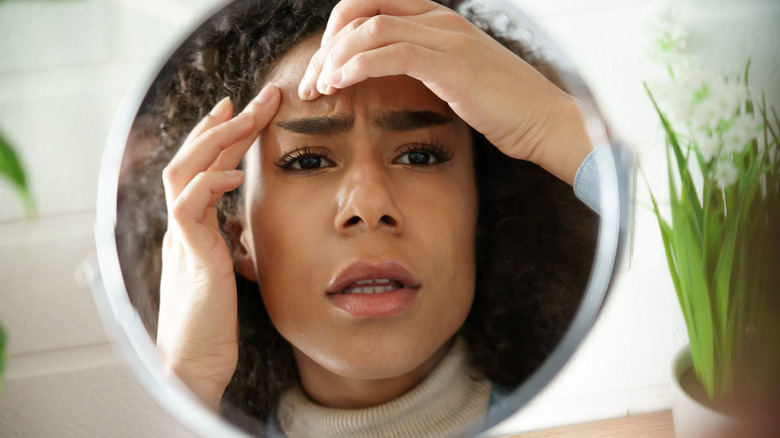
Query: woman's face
x: 359, y: 224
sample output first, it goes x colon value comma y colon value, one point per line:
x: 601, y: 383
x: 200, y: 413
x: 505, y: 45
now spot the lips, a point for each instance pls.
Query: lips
x: 370, y: 287
x: 372, y: 277
x: 373, y: 289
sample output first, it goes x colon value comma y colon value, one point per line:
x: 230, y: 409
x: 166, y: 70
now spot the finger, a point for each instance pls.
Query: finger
x: 219, y: 114
x: 265, y: 106
x: 201, y: 194
x: 395, y: 59
x: 307, y: 89
x: 428, y: 29
x: 380, y: 31
x: 201, y: 152
x: 348, y: 10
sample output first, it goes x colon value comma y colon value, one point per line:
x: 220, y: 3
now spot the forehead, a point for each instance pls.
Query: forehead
x: 363, y: 99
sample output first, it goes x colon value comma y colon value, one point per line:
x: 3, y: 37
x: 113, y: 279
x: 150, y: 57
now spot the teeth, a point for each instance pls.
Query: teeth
x: 371, y: 289
x: 377, y: 280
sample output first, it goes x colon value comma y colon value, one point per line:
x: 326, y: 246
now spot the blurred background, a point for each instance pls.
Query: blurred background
x: 64, y: 68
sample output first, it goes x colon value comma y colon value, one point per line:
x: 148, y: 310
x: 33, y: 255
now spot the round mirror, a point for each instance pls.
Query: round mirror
x: 401, y: 248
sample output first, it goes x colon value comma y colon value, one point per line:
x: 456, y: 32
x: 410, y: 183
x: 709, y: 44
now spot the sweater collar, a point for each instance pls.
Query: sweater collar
x: 449, y: 402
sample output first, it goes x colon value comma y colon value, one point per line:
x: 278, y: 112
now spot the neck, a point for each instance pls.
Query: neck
x: 332, y: 390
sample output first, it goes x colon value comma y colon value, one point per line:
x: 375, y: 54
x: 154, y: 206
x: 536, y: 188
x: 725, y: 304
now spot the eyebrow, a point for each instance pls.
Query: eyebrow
x: 318, y: 125
x: 393, y: 120
x: 411, y: 120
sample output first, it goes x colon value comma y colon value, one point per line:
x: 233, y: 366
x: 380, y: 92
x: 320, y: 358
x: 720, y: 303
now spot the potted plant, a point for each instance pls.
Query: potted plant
x: 721, y: 234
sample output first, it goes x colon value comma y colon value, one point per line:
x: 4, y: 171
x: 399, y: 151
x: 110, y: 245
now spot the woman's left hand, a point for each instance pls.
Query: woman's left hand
x: 489, y: 87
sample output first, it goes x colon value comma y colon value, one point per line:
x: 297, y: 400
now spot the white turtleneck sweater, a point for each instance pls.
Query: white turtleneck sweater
x: 449, y: 402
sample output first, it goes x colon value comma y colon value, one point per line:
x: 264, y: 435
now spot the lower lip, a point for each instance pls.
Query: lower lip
x: 375, y: 305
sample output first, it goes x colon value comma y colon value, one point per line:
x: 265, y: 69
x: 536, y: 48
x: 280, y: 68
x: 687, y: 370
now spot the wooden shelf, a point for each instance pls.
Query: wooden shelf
x: 655, y: 425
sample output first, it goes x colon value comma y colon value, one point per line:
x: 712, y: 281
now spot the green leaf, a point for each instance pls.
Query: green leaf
x: 11, y: 169
x: 2, y: 357
x: 689, y: 189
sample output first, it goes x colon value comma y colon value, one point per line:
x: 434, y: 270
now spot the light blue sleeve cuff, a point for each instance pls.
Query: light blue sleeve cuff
x: 586, y: 181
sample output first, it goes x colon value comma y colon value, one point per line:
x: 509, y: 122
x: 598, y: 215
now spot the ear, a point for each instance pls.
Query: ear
x: 238, y: 236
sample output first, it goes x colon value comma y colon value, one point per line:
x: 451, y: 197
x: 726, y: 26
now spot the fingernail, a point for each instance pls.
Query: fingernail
x: 303, y: 91
x: 265, y: 94
x: 335, y: 77
x: 234, y: 173
x: 321, y: 85
x: 219, y: 107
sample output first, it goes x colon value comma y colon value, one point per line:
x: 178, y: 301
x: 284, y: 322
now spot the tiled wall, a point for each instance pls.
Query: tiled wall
x: 64, y: 66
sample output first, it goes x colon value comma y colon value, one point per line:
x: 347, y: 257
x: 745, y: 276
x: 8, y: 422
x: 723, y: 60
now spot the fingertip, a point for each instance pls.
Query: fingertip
x: 267, y: 94
x: 321, y: 86
x: 305, y: 89
x: 304, y: 92
x: 234, y: 173
x: 220, y: 106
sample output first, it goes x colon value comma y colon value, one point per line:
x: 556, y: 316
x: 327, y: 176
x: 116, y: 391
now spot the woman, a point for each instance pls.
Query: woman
x: 406, y: 249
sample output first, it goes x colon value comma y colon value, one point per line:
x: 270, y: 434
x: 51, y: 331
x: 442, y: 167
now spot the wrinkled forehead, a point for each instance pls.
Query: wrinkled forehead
x: 365, y: 99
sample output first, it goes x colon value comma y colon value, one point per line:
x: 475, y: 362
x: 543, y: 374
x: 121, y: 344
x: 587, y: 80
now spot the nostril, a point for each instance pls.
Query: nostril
x: 352, y: 221
x: 387, y: 220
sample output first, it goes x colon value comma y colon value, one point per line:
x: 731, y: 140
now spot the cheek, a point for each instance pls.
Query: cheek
x: 446, y: 221
x: 289, y: 240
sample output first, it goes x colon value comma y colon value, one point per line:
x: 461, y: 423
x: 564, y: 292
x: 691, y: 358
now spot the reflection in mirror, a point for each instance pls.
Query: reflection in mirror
x: 402, y: 248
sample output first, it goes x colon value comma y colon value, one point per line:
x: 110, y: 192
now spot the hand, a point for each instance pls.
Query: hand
x: 197, y: 332
x: 489, y: 87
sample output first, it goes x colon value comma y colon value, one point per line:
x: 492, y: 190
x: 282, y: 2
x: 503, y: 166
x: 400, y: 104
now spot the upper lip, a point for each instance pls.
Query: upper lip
x: 368, y: 270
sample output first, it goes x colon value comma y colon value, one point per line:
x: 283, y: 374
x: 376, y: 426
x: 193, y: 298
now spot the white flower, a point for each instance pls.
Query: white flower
x: 725, y: 173
x: 708, y: 146
x: 743, y: 129
x: 663, y: 44
x: 707, y: 115
x: 731, y: 95
x: 695, y: 84
x: 670, y: 36
x: 689, y: 90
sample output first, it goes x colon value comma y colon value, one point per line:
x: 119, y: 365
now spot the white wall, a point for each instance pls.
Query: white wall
x: 65, y: 66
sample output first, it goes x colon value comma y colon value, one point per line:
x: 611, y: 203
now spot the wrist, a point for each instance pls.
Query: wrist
x: 207, y: 389
x: 564, y: 143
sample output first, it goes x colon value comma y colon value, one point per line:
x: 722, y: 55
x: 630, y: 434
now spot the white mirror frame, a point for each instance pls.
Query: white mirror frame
x: 127, y: 332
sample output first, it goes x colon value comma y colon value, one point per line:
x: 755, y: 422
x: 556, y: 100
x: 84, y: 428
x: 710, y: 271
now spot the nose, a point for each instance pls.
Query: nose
x: 367, y: 201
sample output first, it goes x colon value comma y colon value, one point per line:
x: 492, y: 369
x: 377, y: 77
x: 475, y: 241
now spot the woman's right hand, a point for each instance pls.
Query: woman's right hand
x: 197, y: 331
x: 489, y: 87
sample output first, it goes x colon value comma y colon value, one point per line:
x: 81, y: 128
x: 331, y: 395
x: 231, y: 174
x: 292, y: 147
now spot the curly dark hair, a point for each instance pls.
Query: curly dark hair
x: 535, y: 240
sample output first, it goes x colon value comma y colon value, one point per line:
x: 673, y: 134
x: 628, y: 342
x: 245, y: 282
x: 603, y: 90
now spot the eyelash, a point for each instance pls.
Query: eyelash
x: 436, y: 150
x: 288, y: 160
x: 439, y: 153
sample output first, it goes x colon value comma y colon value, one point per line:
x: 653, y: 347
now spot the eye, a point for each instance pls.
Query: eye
x: 303, y: 159
x: 417, y: 158
x: 423, y: 154
x: 310, y: 162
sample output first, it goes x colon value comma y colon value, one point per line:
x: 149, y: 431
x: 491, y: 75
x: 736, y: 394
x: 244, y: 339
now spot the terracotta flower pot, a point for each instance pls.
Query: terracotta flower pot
x: 693, y: 419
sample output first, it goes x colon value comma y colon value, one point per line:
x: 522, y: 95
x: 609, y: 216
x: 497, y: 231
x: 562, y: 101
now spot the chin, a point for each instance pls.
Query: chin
x: 385, y: 360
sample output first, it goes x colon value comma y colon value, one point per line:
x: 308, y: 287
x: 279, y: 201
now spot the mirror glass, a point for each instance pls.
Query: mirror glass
x: 375, y: 240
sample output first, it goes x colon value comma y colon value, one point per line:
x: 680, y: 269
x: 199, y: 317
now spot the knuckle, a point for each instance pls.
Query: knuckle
x: 317, y: 61
x: 354, y: 24
x: 169, y: 173
x: 178, y: 210
x: 403, y: 55
x: 199, y: 179
x: 451, y: 19
x: 377, y: 24
x: 207, y: 135
x: 359, y: 62
x: 335, y: 57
